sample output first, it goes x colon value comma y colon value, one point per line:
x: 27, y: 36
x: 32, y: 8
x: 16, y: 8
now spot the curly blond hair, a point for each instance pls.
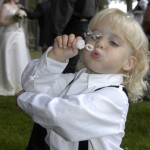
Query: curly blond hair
x: 125, y: 24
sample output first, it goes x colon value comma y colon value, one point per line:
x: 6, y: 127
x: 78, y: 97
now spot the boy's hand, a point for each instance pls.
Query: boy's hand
x: 64, y: 47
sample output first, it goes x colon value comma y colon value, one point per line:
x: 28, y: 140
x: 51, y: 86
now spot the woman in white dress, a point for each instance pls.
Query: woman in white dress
x: 14, y: 54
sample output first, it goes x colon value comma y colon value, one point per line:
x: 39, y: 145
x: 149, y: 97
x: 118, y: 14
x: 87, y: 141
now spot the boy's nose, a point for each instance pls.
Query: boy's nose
x: 100, y: 44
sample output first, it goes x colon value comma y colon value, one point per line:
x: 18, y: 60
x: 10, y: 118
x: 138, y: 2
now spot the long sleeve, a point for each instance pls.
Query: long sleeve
x: 79, y: 117
x: 34, y: 14
x: 45, y: 75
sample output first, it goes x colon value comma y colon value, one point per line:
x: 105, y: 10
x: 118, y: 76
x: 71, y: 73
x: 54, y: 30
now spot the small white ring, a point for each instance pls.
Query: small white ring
x: 89, y: 47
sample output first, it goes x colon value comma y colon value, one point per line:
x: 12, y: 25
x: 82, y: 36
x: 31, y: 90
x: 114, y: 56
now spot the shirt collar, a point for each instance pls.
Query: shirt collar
x: 102, y: 80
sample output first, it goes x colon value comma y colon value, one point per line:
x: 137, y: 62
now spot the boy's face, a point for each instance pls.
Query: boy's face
x: 111, y: 52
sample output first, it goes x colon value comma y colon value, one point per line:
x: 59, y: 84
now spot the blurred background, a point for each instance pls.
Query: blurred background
x: 32, y: 29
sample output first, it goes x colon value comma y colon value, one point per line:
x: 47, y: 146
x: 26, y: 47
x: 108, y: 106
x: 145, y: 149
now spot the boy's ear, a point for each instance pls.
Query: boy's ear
x: 131, y: 62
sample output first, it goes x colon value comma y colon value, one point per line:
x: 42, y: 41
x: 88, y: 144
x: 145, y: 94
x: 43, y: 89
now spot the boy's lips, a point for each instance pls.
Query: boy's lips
x: 95, y: 54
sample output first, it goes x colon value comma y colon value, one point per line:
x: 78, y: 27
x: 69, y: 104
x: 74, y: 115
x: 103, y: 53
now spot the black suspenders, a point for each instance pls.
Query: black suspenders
x: 116, y: 86
x: 83, y: 145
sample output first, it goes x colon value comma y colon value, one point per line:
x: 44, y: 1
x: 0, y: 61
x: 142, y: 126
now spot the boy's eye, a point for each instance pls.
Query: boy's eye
x: 114, y: 43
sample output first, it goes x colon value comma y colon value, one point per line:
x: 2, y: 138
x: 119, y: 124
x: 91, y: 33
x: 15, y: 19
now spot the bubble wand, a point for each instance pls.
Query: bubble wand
x: 81, y: 44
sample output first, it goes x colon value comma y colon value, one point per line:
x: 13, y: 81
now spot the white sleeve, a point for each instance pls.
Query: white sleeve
x: 45, y: 75
x: 79, y: 117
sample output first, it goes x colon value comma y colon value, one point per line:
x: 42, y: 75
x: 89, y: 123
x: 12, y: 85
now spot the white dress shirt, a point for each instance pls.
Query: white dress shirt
x: 72, y: 112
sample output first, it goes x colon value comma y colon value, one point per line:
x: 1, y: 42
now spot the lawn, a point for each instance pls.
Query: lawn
x: 137, y: 135
x: 16, y: 126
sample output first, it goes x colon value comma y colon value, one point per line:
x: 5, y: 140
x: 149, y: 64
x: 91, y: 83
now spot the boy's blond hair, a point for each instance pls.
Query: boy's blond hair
x: 125, y: 24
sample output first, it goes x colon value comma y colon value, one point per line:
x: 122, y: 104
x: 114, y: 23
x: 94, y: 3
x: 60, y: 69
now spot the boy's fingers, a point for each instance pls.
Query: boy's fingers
x: 70, y: 39
x: 64, y: 41
x: 58, y: 41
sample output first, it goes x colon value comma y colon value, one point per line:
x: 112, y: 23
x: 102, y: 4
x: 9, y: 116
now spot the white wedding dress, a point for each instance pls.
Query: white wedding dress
x: 14, y: 57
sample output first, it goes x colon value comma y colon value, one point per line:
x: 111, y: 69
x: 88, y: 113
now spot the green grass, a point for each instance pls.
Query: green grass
x: 137, y: 135
x: 16, y: 126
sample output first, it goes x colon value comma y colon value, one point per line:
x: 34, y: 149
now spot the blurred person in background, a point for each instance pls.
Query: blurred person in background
x: 14, y: 54
x: 139, y: 10
x: 41, y: 14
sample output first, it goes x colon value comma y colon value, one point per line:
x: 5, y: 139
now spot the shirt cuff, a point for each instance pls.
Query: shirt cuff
x: 52, y: 65
x: 55, y: 66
